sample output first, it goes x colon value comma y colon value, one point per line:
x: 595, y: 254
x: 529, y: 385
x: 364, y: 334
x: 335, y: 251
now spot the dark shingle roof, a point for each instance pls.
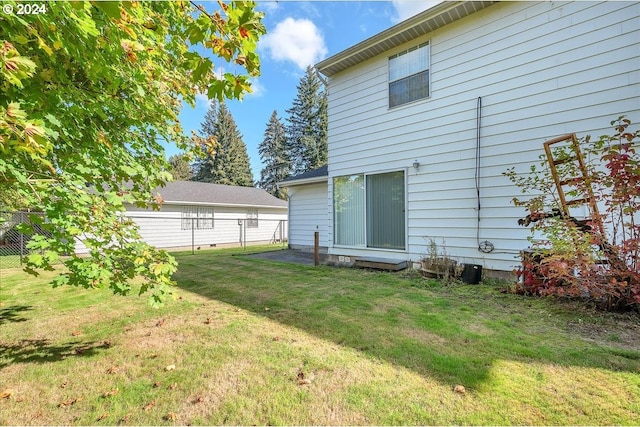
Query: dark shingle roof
x: 203, y: 192
x: 316, y: 173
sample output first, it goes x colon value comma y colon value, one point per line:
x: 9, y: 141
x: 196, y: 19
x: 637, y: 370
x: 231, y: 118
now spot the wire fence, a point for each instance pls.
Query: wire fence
x: 16, y: 230
x: 176, y: 232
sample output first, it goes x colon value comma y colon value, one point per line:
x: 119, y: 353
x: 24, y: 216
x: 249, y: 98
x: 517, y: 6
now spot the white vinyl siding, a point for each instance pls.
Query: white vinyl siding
x: 307, y: 214
x: 164, y: 228
x: 542, y: 69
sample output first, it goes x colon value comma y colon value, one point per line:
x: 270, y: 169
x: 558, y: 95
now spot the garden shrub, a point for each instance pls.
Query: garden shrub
x: 585, y: 258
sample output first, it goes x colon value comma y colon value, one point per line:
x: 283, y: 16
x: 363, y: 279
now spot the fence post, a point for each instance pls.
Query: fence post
x: 193, y: 243
x: 282, y: 231
x: 21, y: 239
x: 244, y: 232
x: 316, y: 248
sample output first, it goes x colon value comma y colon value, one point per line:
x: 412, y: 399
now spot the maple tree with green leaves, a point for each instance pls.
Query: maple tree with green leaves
x: 89, y: 91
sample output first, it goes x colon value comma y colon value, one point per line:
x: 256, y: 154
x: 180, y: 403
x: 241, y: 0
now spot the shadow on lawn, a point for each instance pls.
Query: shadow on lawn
x: 453, y: 337
x: 13, y: 314
x: 42, y: 351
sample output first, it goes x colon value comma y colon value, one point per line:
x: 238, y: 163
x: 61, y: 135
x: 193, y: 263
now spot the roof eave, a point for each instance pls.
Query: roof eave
x: 234, y: 205
x: 294, y: 182
x: 421, y: 24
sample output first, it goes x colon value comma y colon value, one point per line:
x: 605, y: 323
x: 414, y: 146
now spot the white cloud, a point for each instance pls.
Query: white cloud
x: 406, y: 9
x: 257, y: 89
x: 268, y: 6
x: 295, y: 40
x: 202, y: 101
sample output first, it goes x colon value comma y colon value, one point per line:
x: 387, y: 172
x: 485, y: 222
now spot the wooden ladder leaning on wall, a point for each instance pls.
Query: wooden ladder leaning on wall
x: 570, y: 153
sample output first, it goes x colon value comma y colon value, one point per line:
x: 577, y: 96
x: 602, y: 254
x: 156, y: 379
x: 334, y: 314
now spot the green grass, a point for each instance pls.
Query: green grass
x: 378, y: 348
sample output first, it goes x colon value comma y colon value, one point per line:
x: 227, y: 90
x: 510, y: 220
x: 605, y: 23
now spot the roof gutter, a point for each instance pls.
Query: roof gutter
x: 367, y: 48
x: 314, y: 180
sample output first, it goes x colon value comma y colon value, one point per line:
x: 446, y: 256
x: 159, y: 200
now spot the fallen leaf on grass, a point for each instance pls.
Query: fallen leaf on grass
x: 208, y: 321
x: 125, y: 419
x: 156, y: 384
x: 5, y: 394
x: 170, y: 368
x: 172, y: 386
x: 304, y: 379
x: 103, y: 416
x: 149, y: 406
x: 112, y: 370
x: 460, y: 389
x: 160, y: 322
x: 68, y: 402
x: 64, y: 384
x: 198, y: 399
x: 110, y: 393
x: 76, y: 333
x: 171, y: 416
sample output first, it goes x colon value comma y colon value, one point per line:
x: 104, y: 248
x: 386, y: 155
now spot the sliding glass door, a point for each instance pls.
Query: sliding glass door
x: 369, y: 210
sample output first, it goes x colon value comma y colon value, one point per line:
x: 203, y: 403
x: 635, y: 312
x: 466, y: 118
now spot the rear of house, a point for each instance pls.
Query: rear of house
x: 426, y: 116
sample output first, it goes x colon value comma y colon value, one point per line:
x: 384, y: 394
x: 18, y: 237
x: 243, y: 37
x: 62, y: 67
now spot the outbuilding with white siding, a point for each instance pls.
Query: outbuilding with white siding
x: 201, y: 215
x: 425, y: 117
x: 308, y: 207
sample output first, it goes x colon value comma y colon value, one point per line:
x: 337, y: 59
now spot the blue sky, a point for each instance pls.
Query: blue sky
x: 299, y: 33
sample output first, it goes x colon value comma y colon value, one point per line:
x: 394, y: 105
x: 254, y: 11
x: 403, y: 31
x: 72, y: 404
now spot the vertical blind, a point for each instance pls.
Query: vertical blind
x: 385, y: 211
x: 348, y: 208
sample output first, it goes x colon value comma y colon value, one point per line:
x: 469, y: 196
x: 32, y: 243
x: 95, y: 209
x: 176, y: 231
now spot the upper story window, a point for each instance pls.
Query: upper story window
x: 409, y: 75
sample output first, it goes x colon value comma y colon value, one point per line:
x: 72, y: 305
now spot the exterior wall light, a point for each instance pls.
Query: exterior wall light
x: 416, y: 165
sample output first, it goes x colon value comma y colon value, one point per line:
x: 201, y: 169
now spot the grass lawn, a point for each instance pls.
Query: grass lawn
x: 250, y: 341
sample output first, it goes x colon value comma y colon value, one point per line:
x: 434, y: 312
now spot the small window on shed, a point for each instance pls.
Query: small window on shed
x: 252, y: 218
x: 205, y: 218
x: 409, y: 75
x: 189, y: 213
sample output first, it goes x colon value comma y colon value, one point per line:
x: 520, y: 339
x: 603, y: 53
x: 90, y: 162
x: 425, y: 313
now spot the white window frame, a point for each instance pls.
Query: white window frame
x: 202, y: 218
x: 252, y: 218
x: 406, y: 216
x: 427, y: 45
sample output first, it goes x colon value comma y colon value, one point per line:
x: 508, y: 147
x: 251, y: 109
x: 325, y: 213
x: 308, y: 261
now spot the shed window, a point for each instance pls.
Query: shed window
x: 197, y: 217
x: 252, y: 218
x: 409, y: 75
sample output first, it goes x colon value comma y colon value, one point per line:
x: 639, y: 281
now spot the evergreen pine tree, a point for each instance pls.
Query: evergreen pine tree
x: 180, y: 168
x: 230, y: 163
x: 204, y: 165
x: 307, y: 130
x: 273, y: 155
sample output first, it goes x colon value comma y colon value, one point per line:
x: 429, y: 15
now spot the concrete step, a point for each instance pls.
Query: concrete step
x: 380, y: 263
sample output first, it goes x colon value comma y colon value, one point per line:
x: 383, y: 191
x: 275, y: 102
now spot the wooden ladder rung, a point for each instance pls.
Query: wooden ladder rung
x: 565, y: 160
x: 578, y: 201
x: 575, y: 180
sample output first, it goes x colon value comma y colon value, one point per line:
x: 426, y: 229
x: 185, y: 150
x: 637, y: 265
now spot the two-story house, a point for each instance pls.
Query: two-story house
x: 426, y: 116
